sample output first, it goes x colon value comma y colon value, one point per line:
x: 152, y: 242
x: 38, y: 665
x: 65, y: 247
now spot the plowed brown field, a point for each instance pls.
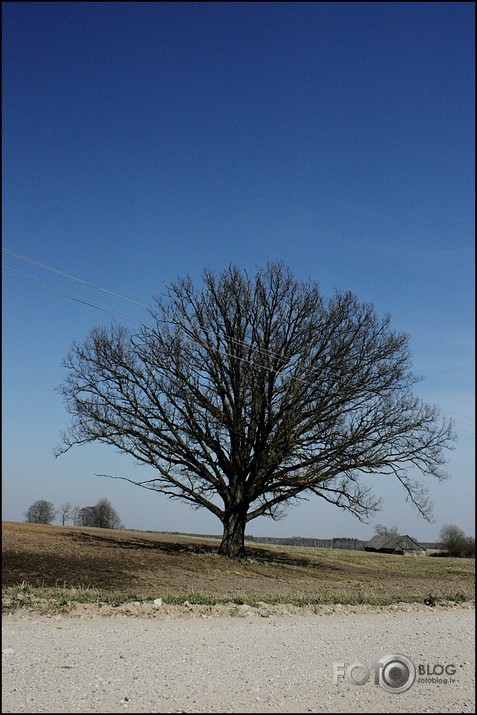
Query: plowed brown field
x: 146, y: 565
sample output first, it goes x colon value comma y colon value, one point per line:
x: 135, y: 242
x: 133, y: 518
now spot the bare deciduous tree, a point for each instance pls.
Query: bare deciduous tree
x: 248, y: 394
x: 66, y: 512
x: 381, y: 530
x: 75, y: 515
x: 41, y: 512
x: 101, y: 515
x: 455, y: 542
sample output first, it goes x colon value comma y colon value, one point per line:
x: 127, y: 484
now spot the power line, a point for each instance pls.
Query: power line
x: 66, y: 294
x: 48, y: 286
x: 467, y: 419
x: 112, y: 311
x: 243, y: 343
x: 73, y: 278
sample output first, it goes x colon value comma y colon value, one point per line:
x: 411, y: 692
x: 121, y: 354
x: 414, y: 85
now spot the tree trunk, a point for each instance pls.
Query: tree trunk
x: 233, y: 538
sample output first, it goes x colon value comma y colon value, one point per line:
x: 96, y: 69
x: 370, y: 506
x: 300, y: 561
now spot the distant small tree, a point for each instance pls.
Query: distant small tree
x: 87, y: 516
x: 107, y: 516
x: 381, y: 530
x: 454, y: 540
x: 75, y: 516
x: 66, y: 512
x: 102, y: 515
x: 469, y: 547
x: 40, y: 512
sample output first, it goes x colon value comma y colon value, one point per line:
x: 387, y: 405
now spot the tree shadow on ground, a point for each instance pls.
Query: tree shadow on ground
x: 257, y: 554
x: 168, y: 547
x: 286, y: 559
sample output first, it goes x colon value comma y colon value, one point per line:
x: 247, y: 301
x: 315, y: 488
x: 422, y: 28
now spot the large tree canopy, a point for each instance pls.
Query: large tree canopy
x: 248, y: 393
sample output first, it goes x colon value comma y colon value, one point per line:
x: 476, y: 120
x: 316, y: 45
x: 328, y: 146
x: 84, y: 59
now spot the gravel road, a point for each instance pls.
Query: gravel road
x: 247, y: 664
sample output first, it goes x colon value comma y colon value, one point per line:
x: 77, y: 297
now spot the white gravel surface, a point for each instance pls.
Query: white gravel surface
x: 251, y: 664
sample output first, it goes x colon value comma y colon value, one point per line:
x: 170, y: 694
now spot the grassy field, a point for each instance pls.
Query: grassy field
x: 102, y: 565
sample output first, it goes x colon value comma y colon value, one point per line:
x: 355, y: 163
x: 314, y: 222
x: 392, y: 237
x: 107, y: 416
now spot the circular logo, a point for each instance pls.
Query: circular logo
x: 396, y: 673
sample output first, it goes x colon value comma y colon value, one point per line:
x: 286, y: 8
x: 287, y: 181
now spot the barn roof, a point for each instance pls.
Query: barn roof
x: 396, y: 542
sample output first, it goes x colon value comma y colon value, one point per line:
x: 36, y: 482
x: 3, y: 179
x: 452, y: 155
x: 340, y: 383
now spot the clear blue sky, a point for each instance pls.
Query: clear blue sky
x: 146, y: 141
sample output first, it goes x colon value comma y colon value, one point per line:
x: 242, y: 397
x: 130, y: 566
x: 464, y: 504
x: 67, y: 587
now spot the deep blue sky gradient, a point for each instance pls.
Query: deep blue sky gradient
x: 145, y: 141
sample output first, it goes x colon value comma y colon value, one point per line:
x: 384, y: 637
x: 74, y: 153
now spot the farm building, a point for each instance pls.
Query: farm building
x: 395, y: 544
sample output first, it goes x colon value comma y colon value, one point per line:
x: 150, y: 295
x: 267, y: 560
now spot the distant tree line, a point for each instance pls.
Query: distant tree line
x: 336, y: 543
x: 101, y: 515
x: 340, y: 542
